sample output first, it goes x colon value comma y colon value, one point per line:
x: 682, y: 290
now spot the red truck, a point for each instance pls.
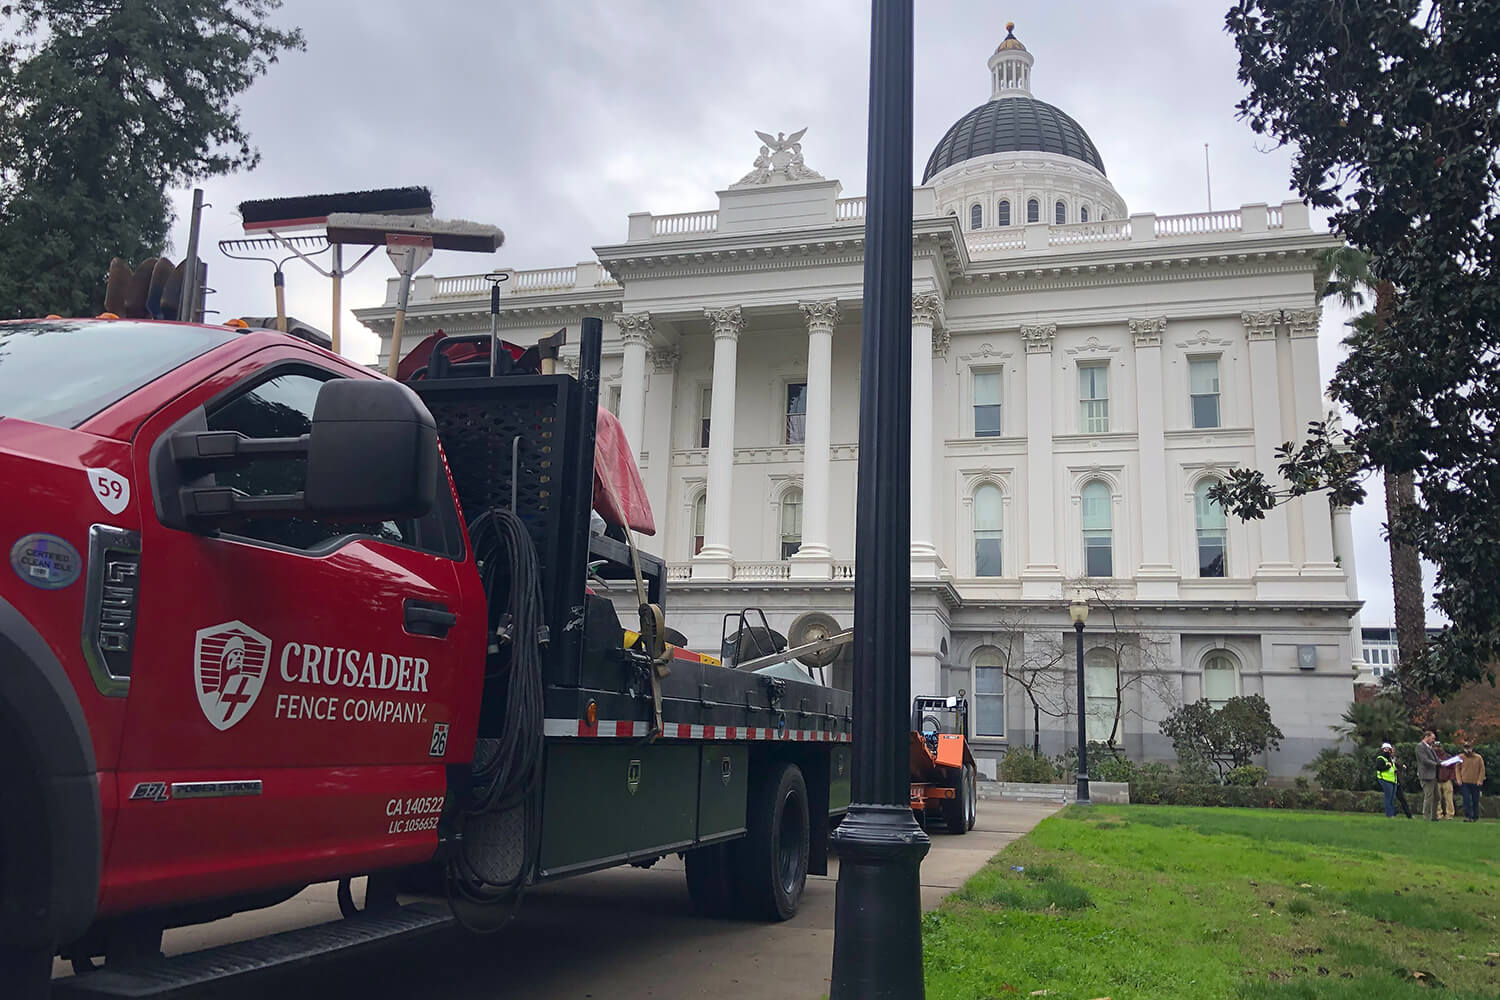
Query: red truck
x: 272, y: 619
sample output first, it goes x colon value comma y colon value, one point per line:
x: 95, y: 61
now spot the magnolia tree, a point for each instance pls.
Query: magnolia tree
x: 1228, y: 737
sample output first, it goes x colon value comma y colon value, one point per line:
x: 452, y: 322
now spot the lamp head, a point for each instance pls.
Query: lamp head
x: 1078, y: 610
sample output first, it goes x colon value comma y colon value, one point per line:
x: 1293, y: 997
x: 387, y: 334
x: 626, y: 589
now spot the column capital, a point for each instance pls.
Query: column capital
x: 635, y: 328
x: 664, y: 359
x: 1148, y: 332
x: 1038, y: 337
x: 1304, y: 322
x: 927, y: 307
x: 569, y: 362
x: 822, y: 316
x: 941, y: 341
x: 726, y: 323
x: 1261, y: 325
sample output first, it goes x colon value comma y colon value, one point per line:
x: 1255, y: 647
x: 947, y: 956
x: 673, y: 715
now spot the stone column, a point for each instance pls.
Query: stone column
x: 813, y: 561
x: 657, y: 466
x: 1343, y: 548
x: 926, y: 319
x: 1156, y: 577
x: 635, y: 332
x: 1041, y: 577
x: 1265, y: 397
x: 716, y: 560
x: 1307, y: 398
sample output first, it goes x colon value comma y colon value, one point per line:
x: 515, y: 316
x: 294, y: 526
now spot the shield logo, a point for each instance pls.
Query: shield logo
x: 726, y: 770
x: 633, y: 777
x: 229, y: 669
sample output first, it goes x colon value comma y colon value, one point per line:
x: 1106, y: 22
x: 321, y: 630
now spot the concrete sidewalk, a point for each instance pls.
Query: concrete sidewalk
x: 624, y: 934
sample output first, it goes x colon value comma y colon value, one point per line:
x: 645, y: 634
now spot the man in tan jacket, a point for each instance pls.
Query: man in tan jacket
x: 1470, y: 777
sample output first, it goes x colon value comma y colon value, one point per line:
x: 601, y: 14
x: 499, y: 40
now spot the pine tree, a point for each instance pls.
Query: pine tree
x: 105, y: 105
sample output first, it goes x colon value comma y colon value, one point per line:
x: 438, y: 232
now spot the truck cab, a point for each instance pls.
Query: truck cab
x: 199, y: 704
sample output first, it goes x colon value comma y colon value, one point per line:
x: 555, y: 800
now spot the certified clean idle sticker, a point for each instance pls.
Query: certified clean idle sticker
x: 45, y: 561
x: 111, y: 489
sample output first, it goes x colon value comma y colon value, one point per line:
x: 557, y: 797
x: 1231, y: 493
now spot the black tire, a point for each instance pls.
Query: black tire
x: 973, y: 796
x: 958, y: 811
x: 27, y: 975
x: 771, y: 869
x: 710, y: 879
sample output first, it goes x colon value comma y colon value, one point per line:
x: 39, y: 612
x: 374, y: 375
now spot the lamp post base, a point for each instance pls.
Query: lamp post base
x: 879, y: 904
x: 1082, y: 797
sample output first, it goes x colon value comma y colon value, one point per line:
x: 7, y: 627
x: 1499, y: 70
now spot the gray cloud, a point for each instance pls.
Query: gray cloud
x: 554, y: 121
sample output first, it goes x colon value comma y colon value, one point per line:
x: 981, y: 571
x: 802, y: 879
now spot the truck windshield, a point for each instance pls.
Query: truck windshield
x: 61, y: 372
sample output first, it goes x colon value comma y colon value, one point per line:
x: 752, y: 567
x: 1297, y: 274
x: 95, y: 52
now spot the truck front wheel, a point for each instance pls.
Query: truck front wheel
x: 772, y: 867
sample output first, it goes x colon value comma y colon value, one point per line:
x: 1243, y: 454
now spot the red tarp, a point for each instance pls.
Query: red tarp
x: 419, y: 356
x: 619, y: 494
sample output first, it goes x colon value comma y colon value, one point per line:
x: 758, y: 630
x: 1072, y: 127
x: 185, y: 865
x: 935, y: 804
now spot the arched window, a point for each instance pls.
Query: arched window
x: 791, y: 522
x: 1221, y: 681
x: 1033, y: 210
x: 987, y: 530
x: 1002, y: 214
x: 1103, y: 215
x: 700, y: 507
x: 1060, y: 213
x: 1098, y: 531
x: 976, y: 216
x: 1101, y: 694
x: 989, y: 692
x: 1213, y: 531
x: 1083, y: 214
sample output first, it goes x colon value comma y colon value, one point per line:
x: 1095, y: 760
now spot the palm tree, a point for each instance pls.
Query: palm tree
x: 1369, y: 723
x: 1344, y: 273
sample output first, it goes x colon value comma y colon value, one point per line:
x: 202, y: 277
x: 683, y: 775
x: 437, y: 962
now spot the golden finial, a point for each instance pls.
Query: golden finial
x: 1010, y: 27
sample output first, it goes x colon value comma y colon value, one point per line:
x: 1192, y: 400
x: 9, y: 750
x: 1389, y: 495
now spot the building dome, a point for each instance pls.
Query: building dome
x: 1015, y: 160
x: 1011, y: 125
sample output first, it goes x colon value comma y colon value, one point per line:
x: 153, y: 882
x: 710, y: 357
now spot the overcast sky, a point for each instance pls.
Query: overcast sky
x: 554, y: 121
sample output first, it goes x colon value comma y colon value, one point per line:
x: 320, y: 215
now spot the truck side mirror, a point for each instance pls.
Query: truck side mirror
x: 372, y: 453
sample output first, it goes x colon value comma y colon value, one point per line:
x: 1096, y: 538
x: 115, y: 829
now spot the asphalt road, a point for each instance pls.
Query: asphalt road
x: 623, y: 934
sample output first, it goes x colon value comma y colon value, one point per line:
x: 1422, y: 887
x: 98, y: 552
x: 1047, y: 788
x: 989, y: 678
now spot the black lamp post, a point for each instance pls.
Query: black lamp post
x: 1079, y: 610
x: 877, y: 940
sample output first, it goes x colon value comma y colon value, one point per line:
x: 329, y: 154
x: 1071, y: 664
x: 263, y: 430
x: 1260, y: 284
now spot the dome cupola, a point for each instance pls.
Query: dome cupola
x: 1015, y: 159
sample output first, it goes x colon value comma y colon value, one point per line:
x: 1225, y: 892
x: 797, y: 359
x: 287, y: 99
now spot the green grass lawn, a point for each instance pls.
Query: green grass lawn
x: 1159, y: 902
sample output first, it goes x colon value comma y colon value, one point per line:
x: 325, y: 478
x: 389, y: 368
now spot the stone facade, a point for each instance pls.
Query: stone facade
x: 1074, y: 386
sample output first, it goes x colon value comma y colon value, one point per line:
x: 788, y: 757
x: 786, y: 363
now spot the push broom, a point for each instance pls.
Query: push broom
x: 409, y: 242
x: 268, y: 221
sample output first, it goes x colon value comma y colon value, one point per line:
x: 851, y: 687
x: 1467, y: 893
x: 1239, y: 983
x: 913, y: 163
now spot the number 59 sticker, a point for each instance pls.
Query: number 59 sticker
x: 111, y: 489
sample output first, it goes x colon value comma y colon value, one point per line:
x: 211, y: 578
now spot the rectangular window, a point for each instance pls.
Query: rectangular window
x: 791, y: 523
x: 612, y: 400
x: 705, y: 408
x: 1098, y: 554
x: 1203, y: 385
x: 1093, y: 397
x: 796, y: 413
x: 989, y: 701
x: 987, y: 404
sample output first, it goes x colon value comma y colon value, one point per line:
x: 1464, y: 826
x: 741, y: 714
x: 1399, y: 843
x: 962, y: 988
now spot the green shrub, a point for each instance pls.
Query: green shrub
x: 1245, y: 796
x: 1246, y: 774
x: 1195, y: 770
x: 1301, y: 782
x: 1021, y: 765
x: 1335, y: 770
x: 1112, y: 768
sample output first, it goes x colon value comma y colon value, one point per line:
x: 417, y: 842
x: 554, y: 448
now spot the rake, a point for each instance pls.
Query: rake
x: 302, y: 248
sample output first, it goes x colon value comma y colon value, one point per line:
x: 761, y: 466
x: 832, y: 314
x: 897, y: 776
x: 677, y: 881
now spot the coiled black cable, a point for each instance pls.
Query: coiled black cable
x: 510, y: 777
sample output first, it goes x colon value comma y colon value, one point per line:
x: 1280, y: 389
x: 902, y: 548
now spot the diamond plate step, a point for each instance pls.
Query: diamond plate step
x: 164, y: 977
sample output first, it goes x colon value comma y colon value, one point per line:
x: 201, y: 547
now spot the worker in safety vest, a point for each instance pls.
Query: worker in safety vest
x: 1390, y: 786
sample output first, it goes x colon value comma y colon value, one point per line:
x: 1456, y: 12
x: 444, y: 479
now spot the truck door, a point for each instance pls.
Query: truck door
x: 296, y: 680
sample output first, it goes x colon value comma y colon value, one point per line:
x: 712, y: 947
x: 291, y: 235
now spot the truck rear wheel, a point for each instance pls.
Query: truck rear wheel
x: 772, y: 869
x: 959, y: 811
x: 710, y: 879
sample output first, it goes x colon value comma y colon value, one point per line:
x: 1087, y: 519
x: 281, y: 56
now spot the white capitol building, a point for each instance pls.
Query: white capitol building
x: 1082, y: 371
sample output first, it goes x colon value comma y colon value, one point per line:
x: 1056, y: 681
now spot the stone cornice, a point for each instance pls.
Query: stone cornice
x: 821, y: 316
